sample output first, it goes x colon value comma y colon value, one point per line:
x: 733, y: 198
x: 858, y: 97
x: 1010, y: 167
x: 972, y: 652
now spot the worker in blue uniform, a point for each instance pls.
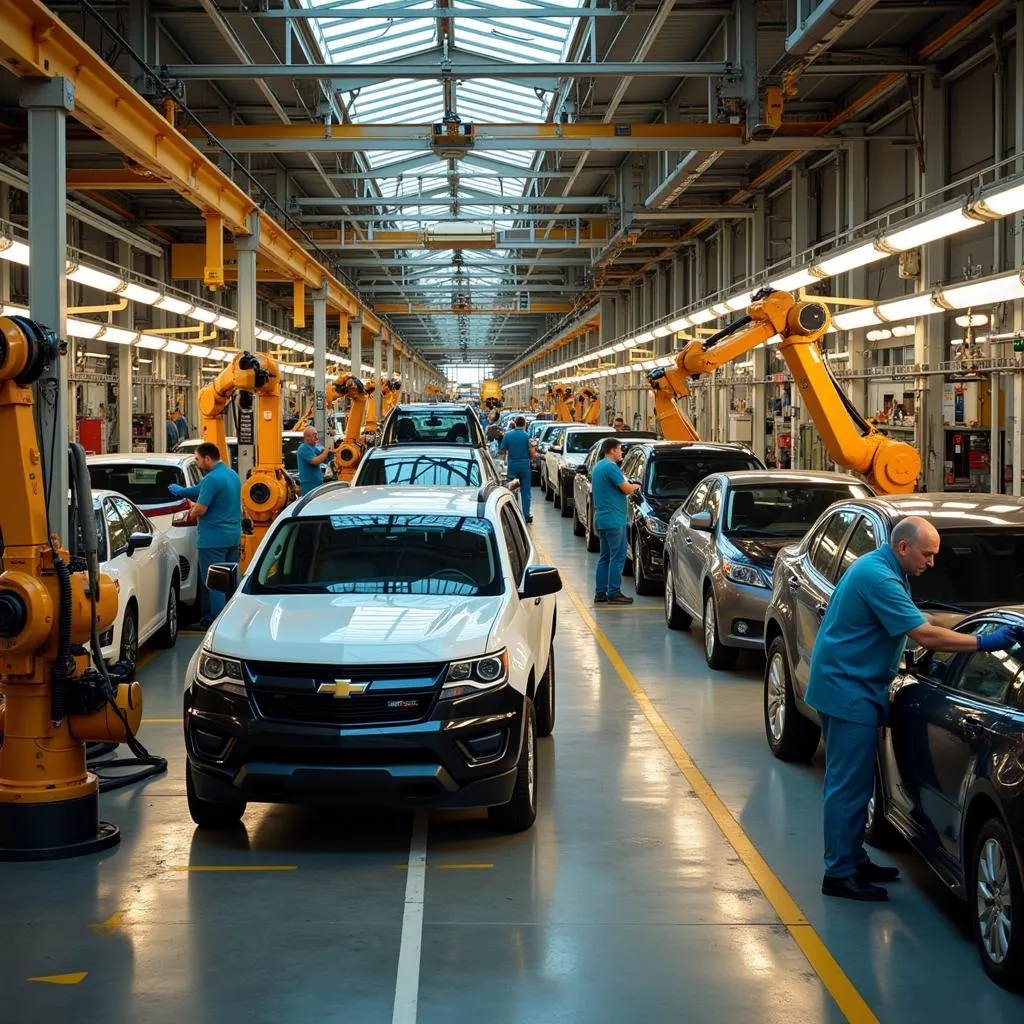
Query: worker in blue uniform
x: 518, y: 446
x: 856, y: 655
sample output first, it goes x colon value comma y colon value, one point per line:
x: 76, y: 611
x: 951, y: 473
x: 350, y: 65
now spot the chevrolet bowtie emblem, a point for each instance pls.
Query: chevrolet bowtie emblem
x: 342, y: 688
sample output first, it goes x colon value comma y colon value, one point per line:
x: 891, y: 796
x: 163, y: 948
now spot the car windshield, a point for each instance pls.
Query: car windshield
x: 435, y: 427
x: 581, y: 441
x: 144, y: 485
x: 974, y: 569
x: 289, y: 453
x: 425, y: 470
x: 381, y: 554
x: 552, y: 435
x: 788, y: 510
x: 675, y: 477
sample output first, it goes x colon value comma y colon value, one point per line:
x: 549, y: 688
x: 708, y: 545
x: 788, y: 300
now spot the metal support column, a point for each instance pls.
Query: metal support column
x: 5, y: 265
x: 799, y: 213
x: 856, y: 175
x: 355, y: 345
x: 746, y: 31
x: 760, y: 355
x: 124, y: 318
x: 320, y: 361
x: 48, y: 103
x: 378, y: 345
x: 246, y: 247
x: 391, y: 358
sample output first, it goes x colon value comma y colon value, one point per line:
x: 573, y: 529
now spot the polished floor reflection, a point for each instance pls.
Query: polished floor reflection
x: 624, y: 903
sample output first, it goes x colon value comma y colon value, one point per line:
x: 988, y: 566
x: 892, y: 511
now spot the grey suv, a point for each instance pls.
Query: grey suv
x: 980, y: 565
x: 722, y: 543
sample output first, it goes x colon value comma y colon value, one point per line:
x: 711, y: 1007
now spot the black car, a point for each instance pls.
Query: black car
x: 667, y: 471
x: 443, y: 423
x: 951, y: 782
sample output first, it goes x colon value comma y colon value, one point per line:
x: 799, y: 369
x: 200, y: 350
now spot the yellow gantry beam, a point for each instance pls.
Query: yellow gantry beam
x: 35, y: 43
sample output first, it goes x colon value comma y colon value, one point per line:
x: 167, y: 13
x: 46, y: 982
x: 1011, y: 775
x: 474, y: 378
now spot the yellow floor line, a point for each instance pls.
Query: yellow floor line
x: 235, y: 867
x: 850, y: 1002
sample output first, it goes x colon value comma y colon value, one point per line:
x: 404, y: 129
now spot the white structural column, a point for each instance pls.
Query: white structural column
x: 800, y: 240
x: 125, y: 318
x: 320, y: 361
x: 48, y: 103
x: 930, y: 337
x: 856, y: 167
x: 355, y: 345
x: 759, y: 392
x: 246, y: 246
x: 391, y: 358
x: 378, y: 345
x: 1017, y: 438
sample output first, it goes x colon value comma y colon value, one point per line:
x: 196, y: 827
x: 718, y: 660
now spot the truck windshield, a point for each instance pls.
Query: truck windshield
x: 381, y: 554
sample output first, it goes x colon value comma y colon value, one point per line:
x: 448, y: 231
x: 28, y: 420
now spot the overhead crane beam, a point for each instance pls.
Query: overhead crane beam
x: 35, y: 43
x: 394, y: 11
x: 536, y: 308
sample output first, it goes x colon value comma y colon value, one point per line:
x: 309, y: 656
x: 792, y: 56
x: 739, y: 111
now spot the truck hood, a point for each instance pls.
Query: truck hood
x: 350, y: 629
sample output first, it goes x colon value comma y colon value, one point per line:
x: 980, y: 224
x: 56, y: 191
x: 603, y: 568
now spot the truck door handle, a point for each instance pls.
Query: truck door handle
x: 794, y: 582
x: 968, y: 728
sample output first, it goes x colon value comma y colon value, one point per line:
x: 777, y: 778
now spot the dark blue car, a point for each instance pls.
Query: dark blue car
x: 951, y: 781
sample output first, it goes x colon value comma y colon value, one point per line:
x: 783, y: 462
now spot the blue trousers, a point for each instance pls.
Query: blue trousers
x: 611, y: 561
x: 213, y: 600
x: 851, y: 752
x: 520, y: 471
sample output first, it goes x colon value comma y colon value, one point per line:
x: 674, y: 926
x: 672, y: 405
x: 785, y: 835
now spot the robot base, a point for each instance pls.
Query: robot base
x: 54, y: 831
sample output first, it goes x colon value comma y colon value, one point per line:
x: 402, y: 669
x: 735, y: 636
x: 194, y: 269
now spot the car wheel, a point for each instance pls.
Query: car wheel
x: 545, y: 701
x: 716, y: 654
x: 675, y: 617
x: 167, y: 635
x: 566, y: 500
x: 556, y: 496
x: 206, y: 813
x: 877, y: 830
x: 791, y: 737
x: 995, y: 891
x: 578, y: 529
x: 549, y: 494
x: 129, y: 653
x: 593, y: 540
x: 521, y: 811
x: 641, y: 583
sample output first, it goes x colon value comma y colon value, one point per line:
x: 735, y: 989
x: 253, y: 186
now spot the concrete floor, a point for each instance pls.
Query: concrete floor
x: 624, y: 903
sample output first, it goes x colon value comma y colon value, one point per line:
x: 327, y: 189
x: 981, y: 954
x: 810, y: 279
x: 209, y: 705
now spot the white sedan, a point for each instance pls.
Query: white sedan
x: 143, y: 563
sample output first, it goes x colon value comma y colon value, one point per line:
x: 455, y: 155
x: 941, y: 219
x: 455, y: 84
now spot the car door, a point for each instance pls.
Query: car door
x: 633, y: 471
x: 581, y: 485
x: 684, y: 586
x: 528, y: 616
x: 151, y: 582
x: 811, y: 585
x: 117, y: 565
x: 698, y: 544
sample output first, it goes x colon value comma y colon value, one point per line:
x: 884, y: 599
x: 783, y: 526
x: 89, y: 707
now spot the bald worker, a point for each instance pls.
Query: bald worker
x: 856, y: 656
x: 311, y: 458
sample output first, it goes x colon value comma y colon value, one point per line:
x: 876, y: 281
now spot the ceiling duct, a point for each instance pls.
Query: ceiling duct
x: 682, y: 176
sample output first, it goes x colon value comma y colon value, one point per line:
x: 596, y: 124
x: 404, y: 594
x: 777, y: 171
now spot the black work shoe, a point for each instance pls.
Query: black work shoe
x: 600, y: 599
x: 852, y: 888
x: 529, y: 519
x: 620, y: 599
x: 870, y: 872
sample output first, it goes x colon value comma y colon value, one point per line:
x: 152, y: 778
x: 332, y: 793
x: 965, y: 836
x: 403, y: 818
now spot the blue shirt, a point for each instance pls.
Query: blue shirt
x: 172, y: 435
x: 609, y: 501
x: 861, y: 639
x: 310, y: 476
x: 220, y: 493
x: 517, y: 443
x: 182, y: 426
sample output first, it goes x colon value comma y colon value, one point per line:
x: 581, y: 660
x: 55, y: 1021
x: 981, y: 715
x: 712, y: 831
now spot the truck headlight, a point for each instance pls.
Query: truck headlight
x: 224, y: 673
x: 748, y: 574
x: 475, y: 675
x: 656, y: 526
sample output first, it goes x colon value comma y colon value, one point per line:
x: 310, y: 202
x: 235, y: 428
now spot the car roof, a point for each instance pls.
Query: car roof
x: 100, y: 493
x: 138, y: 458
x: 392, y: 499
x: 787, y: 476
x: 431, y: 407
x: 951, y: 511
x: 464, y: 453
x: 698, y: 447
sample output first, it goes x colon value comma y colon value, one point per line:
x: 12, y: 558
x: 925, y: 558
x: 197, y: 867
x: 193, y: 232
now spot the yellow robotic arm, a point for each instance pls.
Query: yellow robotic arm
x: 562, y: 396
x: 351, y: 447
x: 392, y: 393
x: 268, y: 489
x: 889, y: 466
x: 589, y: 406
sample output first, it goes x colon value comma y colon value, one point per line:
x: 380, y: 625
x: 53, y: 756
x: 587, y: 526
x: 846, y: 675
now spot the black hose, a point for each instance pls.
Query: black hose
x: 725, y: 332
x: 851, y: 410
x: 64, y: 664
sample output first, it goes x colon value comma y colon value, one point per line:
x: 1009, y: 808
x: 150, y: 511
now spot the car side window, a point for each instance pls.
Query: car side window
x: 826, y: 544
x: 861, y: 540
x: 629, y: 464
x: 695, y: 502
x: 714, y: 502
x: 989, y: 674
x: 115, y: 528
x: 133, y: 519
x: 515, y: 543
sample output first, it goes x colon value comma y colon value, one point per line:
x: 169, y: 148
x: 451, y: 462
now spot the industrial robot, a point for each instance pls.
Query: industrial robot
x: 561, y: 395
x: 350, y: 448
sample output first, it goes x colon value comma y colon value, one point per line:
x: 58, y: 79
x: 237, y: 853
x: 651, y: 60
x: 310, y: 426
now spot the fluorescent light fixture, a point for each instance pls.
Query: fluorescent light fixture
x: 835, y: 357
x: 276, y: 339
x: 738, y: 302
x: 702, y: 317
x: 903, y: 330
x: 879, y: 334
x: 14, y: 251
x: 972, y: 320
x: 620, y: 347
x: 95, y: 355
x: 83, y: 328
x: 865, y: 317
x: 203, y: 315
x: 850, y: 259
x: 145, y: 361
x: 661, y: 332
x: 665, y: 361
x: 118, y: 335
x: 651, y: 364
x: 915, y: 305
x: 647, y: 336
x: 720, y: 309
x: 94, y: 278
x: 172, y: 304
x: 263, y: 334
x: 226, y: 323
x: 199, y: 350
x: 210, y: 369
x: 1000, y: 201
x: 983, y: 293
x: 790, y: 283
x: 151, y: 341
x: 679, y: 325
x: 928, y: 229
x: 178, y: 348
x: 139, y: 293
x: 747, y: 364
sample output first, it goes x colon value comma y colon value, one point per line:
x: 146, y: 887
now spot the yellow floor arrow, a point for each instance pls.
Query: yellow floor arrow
x: 63, y: 979
x: 108, y: 927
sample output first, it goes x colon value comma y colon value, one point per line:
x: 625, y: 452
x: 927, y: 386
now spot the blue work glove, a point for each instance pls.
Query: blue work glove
x: 1001, y: 639
x: 177, y: 490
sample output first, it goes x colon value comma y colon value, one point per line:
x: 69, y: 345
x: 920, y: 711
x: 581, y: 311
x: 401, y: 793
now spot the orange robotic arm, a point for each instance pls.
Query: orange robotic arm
x: 889, y: 466
x: 562, y: 395
x: 350, y: 449
x: 591, y: 405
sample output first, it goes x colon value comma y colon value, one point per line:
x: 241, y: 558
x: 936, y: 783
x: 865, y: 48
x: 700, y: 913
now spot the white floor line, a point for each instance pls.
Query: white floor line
x: 407, y: 983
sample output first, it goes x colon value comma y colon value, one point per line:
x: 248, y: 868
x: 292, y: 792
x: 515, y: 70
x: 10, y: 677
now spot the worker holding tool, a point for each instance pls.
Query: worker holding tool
x: 218, y: 507
x: 311, y: 458
x: 856, y: 655
x: 608, y: 488
x: 518, y: 447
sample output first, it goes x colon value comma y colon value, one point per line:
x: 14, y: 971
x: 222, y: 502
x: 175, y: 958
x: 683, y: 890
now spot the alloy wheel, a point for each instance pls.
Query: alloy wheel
x: 777, y: 699
x: 709, y: 625
x: 531, y: 776
x: 994, y: 901
x: 172, y: 614
x: 129, y: 640
x: 669, y: 596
